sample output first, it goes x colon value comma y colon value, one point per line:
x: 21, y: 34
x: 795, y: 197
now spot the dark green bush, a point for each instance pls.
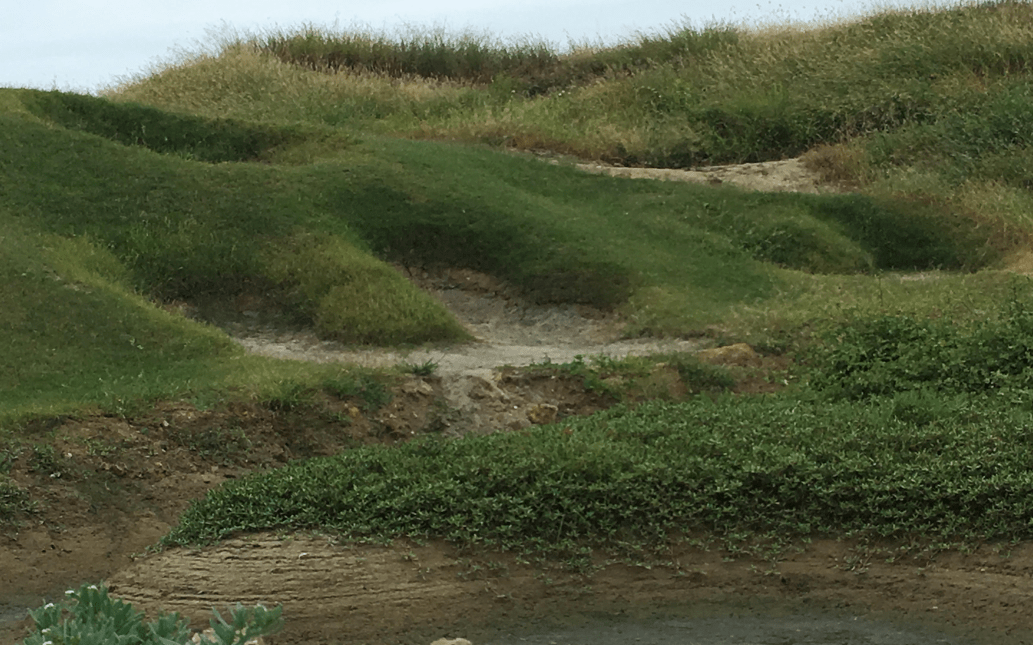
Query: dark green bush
x: 893, y: 354
x: 896, y: 468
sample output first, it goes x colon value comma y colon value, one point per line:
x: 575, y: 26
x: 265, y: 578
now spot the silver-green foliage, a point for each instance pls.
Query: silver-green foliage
x: 90, y: 616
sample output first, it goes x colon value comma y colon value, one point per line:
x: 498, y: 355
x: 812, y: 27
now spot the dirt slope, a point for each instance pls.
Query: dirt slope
x: 406, y: 593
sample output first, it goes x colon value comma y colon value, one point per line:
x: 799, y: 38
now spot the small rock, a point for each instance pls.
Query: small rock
x: 417, y: 386
x: 483, y: 388
x: 542, y: 413
x: 209, y: 635
x: 451, y: 641
x: 739, y: 354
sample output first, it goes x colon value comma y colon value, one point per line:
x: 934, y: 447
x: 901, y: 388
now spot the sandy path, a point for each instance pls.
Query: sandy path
x: 509, y: 332
x: 788, y: 175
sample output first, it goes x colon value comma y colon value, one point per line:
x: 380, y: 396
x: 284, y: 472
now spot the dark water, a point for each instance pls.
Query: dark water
x: 734, y: 624
x: 790, y: 630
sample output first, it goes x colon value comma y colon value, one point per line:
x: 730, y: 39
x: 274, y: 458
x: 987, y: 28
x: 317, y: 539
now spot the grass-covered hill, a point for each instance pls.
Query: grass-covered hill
x: 146, y: 206
x: 299, y: 165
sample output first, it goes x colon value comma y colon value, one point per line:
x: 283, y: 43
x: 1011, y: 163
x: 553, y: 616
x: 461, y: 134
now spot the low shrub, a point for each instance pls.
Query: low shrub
x: 887, y: 355
x: 774, y: 465
x: 89, y: 616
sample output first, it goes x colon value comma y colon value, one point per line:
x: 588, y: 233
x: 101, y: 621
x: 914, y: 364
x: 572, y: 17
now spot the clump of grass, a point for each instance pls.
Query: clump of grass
x: 424, y: 369
x: 523, y: 67
x: 289, y: 396
x: 15, y: 502
x: 352, y: 297
x: 244, y: 83
x: 471, y: 57
x: 364, y: 385
x: 698, y: 376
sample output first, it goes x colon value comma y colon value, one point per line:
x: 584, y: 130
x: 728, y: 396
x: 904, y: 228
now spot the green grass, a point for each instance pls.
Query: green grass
x: 929, y: 103
x: 186, y: 228
x: 75, y: 337
x: 679, y: 97
x: 297, y: 166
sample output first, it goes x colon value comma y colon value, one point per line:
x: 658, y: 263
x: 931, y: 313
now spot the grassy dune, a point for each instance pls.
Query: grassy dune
x: 299, y: 165
x: 933, y: 106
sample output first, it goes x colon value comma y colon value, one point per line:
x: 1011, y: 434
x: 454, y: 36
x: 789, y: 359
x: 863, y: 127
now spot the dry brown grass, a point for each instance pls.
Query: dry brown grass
x: 841, y: 164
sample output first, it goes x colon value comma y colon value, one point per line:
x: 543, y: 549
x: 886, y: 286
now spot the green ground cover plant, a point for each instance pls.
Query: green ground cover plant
x: 89, y: 616
x: 891, y: 355
x: 911, y: 430
x: 759, y: 466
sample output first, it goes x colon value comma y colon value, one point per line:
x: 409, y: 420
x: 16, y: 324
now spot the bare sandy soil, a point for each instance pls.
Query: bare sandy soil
x: 787, y: 175
x: 114, y: 486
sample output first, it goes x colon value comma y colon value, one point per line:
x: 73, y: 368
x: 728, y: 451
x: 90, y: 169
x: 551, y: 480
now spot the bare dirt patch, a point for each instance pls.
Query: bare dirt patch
x: 475, y: 385
x: 788, y: 175
x: 509, y: 330
x: 110, y: 487
x: 409, y: 593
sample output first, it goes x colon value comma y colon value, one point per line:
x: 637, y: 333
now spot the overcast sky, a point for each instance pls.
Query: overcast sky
x: 83, y: 45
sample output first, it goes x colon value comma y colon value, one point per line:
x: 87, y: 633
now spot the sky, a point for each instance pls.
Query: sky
x: 87, y: 45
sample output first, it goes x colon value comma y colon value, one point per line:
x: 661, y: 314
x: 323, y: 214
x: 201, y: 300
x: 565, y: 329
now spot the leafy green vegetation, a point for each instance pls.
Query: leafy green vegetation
x: 890, y: 355
x: 774, y: 465
x: 916, y: 431
x: 14, y: 502
x: 90, y: 615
